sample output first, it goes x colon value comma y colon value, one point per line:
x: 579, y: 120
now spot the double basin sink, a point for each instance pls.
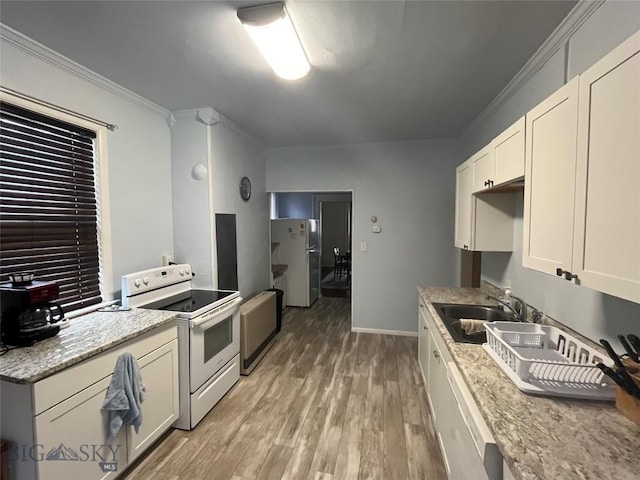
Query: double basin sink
x: 455, y: 318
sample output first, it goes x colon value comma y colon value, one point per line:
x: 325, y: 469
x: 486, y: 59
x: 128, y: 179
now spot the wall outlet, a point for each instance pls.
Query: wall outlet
x: 166, y: 260
x: 363, y: 246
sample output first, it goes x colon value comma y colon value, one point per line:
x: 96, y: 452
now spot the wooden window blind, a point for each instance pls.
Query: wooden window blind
x: 48, y: 206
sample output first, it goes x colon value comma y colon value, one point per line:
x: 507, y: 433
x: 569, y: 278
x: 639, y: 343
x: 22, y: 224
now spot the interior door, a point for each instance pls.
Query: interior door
x: 335, y: 229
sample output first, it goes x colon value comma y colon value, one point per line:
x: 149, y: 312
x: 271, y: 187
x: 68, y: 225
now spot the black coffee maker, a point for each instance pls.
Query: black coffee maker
x: 28, y: 312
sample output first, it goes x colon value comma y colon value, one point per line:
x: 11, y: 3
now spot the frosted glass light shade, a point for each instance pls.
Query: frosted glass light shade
x: 278, y: 43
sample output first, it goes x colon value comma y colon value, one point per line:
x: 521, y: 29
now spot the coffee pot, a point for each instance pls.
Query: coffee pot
x: 33, y: 319
x: 29, y: 312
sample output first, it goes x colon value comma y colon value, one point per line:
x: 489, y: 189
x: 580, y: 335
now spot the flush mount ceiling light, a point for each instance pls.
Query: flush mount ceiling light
x: 270, y: 28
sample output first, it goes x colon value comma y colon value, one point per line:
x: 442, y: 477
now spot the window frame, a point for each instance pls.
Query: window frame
x: 105, y: 258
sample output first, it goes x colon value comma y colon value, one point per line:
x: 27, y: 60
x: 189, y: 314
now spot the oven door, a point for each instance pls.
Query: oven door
x: 214, y: 339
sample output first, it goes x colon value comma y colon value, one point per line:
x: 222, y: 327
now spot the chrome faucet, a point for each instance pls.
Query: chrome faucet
x: 520, y: 310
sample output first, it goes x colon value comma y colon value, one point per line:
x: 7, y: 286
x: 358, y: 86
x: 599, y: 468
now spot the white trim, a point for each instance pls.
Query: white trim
x: 102, y: 184
x: 213, y: 244
x: 399, y: 333
x: 41, y: 52
x: 557, y: 40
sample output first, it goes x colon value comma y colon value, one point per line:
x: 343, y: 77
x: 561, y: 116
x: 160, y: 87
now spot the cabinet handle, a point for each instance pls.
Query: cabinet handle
x: 486, y: 183
x: 559, y: 272
x: 424, y: 327
x: 436, y: 354
x: 466, y: 247
x: 491, y: 183
x: 569, y: 276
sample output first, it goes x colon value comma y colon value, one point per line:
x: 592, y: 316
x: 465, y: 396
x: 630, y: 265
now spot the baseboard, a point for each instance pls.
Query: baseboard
x: 400, y: 333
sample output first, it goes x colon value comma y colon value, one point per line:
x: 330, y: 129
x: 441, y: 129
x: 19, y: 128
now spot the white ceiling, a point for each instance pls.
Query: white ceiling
x: 381, y: 70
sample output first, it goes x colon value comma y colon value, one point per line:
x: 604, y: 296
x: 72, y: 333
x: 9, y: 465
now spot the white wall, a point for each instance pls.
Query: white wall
x: 138, y: 152
x: 192, y: 220
x: 591, y: 313
x: 295, y: 205
x: 229, y: 154
x: 410, y: 187
x: 234, y: 155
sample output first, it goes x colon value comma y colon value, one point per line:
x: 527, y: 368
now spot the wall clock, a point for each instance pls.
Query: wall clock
x: 245, y: 188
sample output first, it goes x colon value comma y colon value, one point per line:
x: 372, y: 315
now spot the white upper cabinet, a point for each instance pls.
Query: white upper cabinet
x: 484, y: 169
x: 606, y: 247
x: 464, y: 178
x: 484, y: 222
x: 550, y: 181
x: 582, y: 180
x: 508, y: 154
x: 502, y: 161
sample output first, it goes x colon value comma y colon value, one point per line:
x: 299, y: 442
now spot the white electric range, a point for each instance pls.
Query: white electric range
x: 208, y: 334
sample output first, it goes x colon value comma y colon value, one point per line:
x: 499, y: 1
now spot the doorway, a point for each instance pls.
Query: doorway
x: 334, y: 212
x: 335, y: 227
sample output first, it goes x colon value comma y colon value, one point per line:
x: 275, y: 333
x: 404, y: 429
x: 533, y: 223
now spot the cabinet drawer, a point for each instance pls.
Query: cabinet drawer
x: 56, y: 388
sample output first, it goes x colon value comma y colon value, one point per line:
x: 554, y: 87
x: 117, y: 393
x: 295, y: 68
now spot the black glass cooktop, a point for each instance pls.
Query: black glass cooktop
x: 188, y: 301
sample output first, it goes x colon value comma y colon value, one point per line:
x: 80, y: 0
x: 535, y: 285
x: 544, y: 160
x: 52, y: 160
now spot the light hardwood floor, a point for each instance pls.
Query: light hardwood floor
x: 324, y: 404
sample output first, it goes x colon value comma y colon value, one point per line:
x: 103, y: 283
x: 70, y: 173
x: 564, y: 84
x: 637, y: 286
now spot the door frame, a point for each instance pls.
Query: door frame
x: 341, y: 191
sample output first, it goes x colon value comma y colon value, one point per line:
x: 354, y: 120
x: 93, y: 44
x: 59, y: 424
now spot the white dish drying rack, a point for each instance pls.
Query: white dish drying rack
x: 544, y: 360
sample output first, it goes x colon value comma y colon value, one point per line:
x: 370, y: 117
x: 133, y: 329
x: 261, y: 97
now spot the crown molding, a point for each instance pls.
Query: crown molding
x: 554, y: 42
x: 43, y: 53
x: 210, y: 116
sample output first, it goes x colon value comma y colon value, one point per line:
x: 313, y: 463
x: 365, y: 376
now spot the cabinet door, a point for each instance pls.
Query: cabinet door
x: 159, y: 371
x: 550, y: 161
x: 434, y: 367
x: 73, y: 436
x: 606, y: 253
x: 484, y: 169
x: 460, y: 454
x: 508, y: 153
x: 423, y: 343
x: 464, y: 205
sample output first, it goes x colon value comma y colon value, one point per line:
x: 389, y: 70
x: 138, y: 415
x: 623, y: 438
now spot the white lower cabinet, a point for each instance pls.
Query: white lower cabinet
x: 63, y: 433
x: 158, y: 369
x: 73, y: 437
x: 468, y: 448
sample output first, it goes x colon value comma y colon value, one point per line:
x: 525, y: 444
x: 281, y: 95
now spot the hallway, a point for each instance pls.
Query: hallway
x: 325, y: 403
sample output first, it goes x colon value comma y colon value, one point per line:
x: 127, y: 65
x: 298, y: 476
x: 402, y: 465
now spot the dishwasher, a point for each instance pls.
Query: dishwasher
x: 471, y: 450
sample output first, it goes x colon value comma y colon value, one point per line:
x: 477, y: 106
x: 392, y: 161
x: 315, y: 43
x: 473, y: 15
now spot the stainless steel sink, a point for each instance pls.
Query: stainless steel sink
x: 452, y: 313
x: 478, y: 312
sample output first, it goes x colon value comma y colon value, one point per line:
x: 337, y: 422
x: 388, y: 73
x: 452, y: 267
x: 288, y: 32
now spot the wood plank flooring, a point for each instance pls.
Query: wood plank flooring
x: 324, y: 404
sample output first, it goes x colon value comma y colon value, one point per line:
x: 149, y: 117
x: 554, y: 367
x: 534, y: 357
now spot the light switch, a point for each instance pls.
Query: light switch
x: 363, y: 246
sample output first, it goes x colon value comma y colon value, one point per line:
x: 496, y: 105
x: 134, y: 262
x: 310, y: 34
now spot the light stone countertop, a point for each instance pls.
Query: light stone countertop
x: 541, y: 437
x: 85, y: 337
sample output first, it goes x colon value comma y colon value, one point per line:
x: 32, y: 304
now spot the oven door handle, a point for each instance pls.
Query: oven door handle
x: 212, y: 316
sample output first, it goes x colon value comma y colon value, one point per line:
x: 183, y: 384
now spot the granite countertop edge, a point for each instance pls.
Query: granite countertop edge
x: 530, y: 431
x: 86, y: 337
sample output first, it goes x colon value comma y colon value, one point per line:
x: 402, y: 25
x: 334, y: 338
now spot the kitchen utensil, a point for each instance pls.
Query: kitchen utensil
x: 635, y: 342
x: 611, y: 373
x: 633, y: 355
x: 612, y: 353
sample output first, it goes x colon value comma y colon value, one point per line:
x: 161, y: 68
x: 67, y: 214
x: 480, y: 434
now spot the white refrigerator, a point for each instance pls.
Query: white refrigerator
x: 298, y: 247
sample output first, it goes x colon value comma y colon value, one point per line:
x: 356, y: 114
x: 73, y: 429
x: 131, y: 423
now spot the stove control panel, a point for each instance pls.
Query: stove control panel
x: 154, y: 278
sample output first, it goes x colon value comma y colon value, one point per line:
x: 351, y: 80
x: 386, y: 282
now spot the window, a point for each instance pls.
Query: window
x: 49, y: 211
